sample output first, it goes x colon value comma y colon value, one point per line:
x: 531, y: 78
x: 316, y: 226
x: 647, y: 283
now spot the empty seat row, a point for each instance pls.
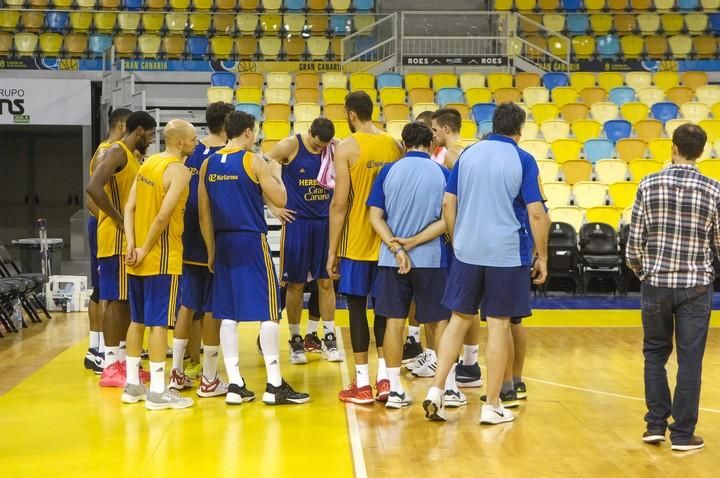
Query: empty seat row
x: 615, y: 6
x: 201, y: 5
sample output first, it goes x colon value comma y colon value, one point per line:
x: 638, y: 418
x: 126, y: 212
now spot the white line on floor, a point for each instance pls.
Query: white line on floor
x: 353, y: 428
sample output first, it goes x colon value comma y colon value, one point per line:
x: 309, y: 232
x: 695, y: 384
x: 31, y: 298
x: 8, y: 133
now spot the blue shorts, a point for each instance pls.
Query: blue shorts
x: 357, y: 277
x: 245, y: 288
x: 425, y: 286
x: 113, y: 278
x: 92, y: 239
x: 303, y: 251
x: 196, y: 288
x: 500, y: 291
x: 153, y: 299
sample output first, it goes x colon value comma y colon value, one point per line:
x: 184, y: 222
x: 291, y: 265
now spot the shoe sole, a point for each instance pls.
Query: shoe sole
x: 654, y: 439
x: 396, y: 405
x: 210, y: 394
x: 299, y: 362
x: 422, y: 375
x: 686, y: 447
x: 231, y: 400
x: 179, y: 388
x: 359, y: 401
x: 496, y: 422
x: 522, y: 396
x: 165, y: 406
x: 408, y: 360
x: 455, y: 404
x: 125, y: 398
x: 269, y: 399
x: 472, y: 384
x: 111, y: 385
x: 432, y: 412
x: 334, y: 359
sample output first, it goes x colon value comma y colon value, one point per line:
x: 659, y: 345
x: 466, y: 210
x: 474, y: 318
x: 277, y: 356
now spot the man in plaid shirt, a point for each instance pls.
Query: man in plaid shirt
x: 674, y: 231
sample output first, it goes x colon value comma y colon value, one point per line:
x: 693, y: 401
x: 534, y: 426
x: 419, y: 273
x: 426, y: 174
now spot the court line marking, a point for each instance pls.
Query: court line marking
x: 352, y: 421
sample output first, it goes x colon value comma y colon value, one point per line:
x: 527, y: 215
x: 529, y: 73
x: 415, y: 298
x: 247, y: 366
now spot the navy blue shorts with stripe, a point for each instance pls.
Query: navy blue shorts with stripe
x: 303, y: 250
x: 113, y: 278
x: 500, y: 291
x: 153, y: 299
x: 245, y: 287
x: 357, y: 277
x: 92, y: 239
x: 196, y: 288
x: 425, y: 286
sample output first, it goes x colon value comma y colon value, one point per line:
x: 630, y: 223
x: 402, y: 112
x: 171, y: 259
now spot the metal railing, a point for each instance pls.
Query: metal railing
x: 372, y: 47
x: 557, y: 56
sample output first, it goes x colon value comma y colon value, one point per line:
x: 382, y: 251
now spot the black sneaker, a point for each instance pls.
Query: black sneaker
x: 330, y: 350
x: 694, y: 443
x: 411, y: 349
x: 521, y: 390
x: 313, y: 343
x: 297, y: 350
x: 468, y: 376
x: 508, y: 399
x: 283, y: 395
x: 654, y: 436
x: 90, y: 359
x: 237, y: 394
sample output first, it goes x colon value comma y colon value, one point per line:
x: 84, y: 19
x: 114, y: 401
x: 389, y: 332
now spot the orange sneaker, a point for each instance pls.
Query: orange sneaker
x: 114, y: 376
x: 361, y: 396
x: 383, y: 390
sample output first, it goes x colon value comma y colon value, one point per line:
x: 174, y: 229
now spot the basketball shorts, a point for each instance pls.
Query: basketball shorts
x: 245, y: 287
x: 92, y: 239
x: 357, y: 277
x: 196, y: 288
x: 499, y: 291
x: 153, y: 299
x: 303, y: 251
x: 113, y: 278
x: 425, y: 286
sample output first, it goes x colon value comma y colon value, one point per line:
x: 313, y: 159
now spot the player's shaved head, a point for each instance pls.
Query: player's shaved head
x: 181, y: 135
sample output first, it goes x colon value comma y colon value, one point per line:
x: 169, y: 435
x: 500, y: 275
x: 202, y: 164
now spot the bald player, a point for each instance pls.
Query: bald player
x: 154, y: 227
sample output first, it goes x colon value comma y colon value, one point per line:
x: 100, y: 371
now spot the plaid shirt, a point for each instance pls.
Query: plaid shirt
x: 675, y: 221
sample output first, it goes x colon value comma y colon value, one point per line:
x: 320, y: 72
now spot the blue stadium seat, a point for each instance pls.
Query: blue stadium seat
x: 572, y: 5
x: 577, y: 24
x: 664, y: 111
x: 597, y: 149
x: 295, y: 5
x: 340, y: 24
x: 608, y: 46
x: 483, y: 112
x: 687, y: 5
x: 485, y: 127
x: 223, y: 78
x: 621, y: 95
x: 450, y: 95
x: 389, y: 80
x: 97, y: 44
x: 198, y: 46
x: 133, y: 4
x: 56, y: 21
x: 363, y: 5
x: 250, y: 108
x: 553, y: 80
x: 616, y: 130
x: 715, y: 23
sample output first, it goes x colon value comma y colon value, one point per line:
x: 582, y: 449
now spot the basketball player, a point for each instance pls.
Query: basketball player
x: 354, y: 245
x: 304, y: 246
x: 109, y: 187
x: 245, y: 289
x: 95, y: 356
x: 196, y: 280
x: 154, y: 226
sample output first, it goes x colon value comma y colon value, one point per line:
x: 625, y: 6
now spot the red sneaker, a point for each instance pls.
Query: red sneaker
x: 178, y: 380
x: 144, y: 375
x: 361, y: 396
x: 383, y: 390
x: 114, y: 376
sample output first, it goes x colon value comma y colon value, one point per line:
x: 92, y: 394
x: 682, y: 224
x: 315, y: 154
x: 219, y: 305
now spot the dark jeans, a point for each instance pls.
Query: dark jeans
x: 687, y: 313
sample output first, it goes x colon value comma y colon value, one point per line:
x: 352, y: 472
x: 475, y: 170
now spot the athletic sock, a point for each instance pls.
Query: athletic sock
x: 312, y: 326
x: 178, y: 352
x: 157, y: 377
x: 94, y: 340
x: 414, y: 332
x: 122, y: 351
x: 517, y: 379
x: 329, y: 326
x: 210, y: 361
x: 382, y: 373
x: 362, y: 375
x: 133, y: 370
x: 470, y: 353
x: 394, y: 377
x: 507, y: 387
x: 101, y: 342
x: 450, y: 380
x: 111, y: 355
x: 294, y: 330
x: 270, y: 343
x: 229, y: 344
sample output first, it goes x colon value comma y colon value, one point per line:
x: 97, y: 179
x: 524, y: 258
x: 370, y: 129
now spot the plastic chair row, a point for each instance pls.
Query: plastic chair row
x: 607, y: 171
x: 182, y: 5
x: 615, y: 6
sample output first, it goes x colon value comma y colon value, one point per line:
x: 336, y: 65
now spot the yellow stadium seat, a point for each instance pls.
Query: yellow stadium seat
x: 306, y: 111
x: 648, y: 129
x: 708, y: 94
x: 149, y: 46
x: 586, y: 129
x: 468, y: 129
x: 334, y: 112
x: 630, y: 148
x: 566, y: 149
x: 50, y: 44
x: 469, y: 81
x: 269, y: 47
x: 389, y: 96
x: 593, y: 95
x: 151, y: 22
x: 221, y: 47
x: 664, y: 5
x: 554, y: 22
x: 666, y: 79
x: 712, y: 128
x: 219, y: 93
x: 318, y: 47
x: 583, y: 46
x: 361, y: 80
x: 589, y: 194
x: 270, y: 24
x: 300, y: 127
x: 503, y: 5
x: 499, y: 80
x: 267, y: 145
x: 673, y: 124
x: 276, y: 111
x: 272, y: 5
x: 128, y: 21
x: 179, y: 5
x: 634, y: 111
x: 525, y: 79
x: 251, y: 79
x: 639, y: 168
x: 622, y: 194
x: 681, y: 46
x: 694, y: 79
x: 610, y: 80
x: 530, y: 130
x: 695, y: 111
x: 601, y: 23
x: 293, y: 47
x: 632, y: 46
x: 555, y: 129
x: 279, y: 80
x: 178, y: 21
x: 580, y: 80
x: 307, y: 95
x: 574, y: 111
x: 716, y: 148
x: 275, y: 130
x: 549, y: 172
x: 419, y: 108
x: 710, y: 168
x: 576, y: 170
x: 557, y: 194
x: 334, y: 96
x: 63, y: 4
x: 604, y: 111
x: 26, y: 43
x: 199, y: 23
x: 569, y: 214
x: 75, y: 45
x: 173, y: 46
x: 474, y: 96
x: 85, y: 4
x: 394, y: 128
x: 444, y: 80
x: 294, y: 23
x: 416, y: 80
x: 248, y: 94
x: 544, y: 111
x: 604, y: 214
x: 9, y: 19
x: 538, y: 148
x: 563, y: 95
x: 610, y: 171
x: 507, y: 95
x: 461, y: 108
x: 246, y: 23
x: 421, y: 95
x: 125, y: 45
x: 334, y: 80
x: 396, y: 112
x: 672, y: 23
x: 105, y: 21
x: 277, y: 96
x: 203, y: 5
x: 660, y: 149
x: 680, y: 94
x: 648, y: 23
x: 715, y: 109
x: 533, y: 95
x: 638, y: 79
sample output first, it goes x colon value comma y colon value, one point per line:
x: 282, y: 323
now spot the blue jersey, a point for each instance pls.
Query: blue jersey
x: 194, y: 251
x: 236, y: 200
x: 305, y: 195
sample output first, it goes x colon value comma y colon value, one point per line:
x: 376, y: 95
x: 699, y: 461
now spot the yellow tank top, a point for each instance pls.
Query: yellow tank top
x: 98, y: 152
x: 111, y: 239
x: 165, y: 256
x: 359, y: 240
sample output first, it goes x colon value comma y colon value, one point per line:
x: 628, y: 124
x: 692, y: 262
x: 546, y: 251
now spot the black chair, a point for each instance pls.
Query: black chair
x: 600, y: 256
x: 563, y: 256
x: 31, y: 285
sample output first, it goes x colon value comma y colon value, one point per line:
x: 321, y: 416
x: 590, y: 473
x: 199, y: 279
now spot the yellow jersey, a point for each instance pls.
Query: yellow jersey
x: 99, y: 151
x: 359, y: 241
x: 165, y: 256
x: 111, y: 239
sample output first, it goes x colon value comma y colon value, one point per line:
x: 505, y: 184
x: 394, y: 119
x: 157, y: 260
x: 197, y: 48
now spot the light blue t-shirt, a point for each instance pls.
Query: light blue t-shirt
x: 494, y: 181
x: 410, y: 191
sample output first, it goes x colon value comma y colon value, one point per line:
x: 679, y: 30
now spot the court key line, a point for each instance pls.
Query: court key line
x: 353, y: 428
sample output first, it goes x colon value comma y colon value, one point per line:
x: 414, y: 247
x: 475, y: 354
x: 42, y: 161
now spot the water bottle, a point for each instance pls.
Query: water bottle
x: 17, y: 315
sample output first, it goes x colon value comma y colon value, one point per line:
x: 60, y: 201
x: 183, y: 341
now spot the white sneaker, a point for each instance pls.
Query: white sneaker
x: 214, y: 388
x: 398, y: 400
x: 168, y: 399
x: 494, y: 416
x: 418, y: 362
x: 433, y: 405
x: 297, y: 350
x: 133, y: 393
x: 178, y: 380
x: 454, y: 399
x: 427, y: 369
x: 330, y: 350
